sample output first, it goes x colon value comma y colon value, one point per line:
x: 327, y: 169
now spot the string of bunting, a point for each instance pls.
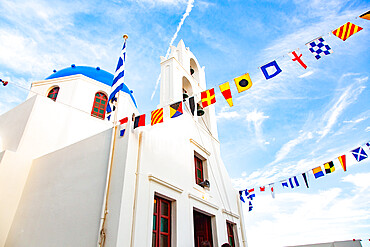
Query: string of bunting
x: 318, y: 47
x: 358, y: 153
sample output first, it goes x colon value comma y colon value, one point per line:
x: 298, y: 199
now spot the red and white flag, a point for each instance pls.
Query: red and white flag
x: 297, y: 56
x: 272, y: 190
x: 262, y: 188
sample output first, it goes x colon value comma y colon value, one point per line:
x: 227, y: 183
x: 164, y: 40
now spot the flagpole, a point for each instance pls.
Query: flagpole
x: 125, y: 37
x: 102, y: 234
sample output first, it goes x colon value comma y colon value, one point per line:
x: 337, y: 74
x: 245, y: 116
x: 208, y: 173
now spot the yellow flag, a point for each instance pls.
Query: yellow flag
x: 243, y: 82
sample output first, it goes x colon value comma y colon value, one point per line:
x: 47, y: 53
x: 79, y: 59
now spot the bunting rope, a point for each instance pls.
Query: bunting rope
x: 358, y: 153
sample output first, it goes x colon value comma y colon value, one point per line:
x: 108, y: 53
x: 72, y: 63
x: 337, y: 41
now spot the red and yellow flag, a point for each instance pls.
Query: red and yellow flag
x: 208, y: 97
x: 157, y: 116
x: 226, y: 92
x: 342, y: 160
x: 347, y: 30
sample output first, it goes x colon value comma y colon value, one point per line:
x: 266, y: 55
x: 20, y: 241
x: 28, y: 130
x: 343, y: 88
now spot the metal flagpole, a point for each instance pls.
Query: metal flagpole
x: 105, y: 211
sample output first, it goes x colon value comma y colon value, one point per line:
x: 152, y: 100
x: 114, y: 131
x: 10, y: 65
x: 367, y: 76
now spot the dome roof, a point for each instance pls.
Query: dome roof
x: 93, y: 73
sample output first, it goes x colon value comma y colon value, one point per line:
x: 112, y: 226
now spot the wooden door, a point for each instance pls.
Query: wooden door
x: 202, y: 228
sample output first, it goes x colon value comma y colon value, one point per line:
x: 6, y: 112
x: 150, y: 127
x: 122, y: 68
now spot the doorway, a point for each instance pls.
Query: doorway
x: 202, y: 228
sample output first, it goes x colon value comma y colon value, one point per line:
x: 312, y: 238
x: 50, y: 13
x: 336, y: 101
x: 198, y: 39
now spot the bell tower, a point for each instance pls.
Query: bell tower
x: 182, y: 77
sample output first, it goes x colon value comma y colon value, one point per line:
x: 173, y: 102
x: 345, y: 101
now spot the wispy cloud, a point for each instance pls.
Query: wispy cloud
x: 348, y: 96
x: 356, y: 120
x: 306, y: 74
x: 189, y: 7
x: 256, y: 118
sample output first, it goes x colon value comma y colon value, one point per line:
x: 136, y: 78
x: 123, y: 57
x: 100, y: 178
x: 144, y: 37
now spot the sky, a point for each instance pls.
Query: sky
x: 279, y: 128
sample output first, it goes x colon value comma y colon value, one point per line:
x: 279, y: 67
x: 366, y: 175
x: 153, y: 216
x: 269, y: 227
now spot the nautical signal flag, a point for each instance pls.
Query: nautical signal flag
x: 296, y: 56
x: 123, y: 125
x: 305, y: 178
x: 250, y: 194
x: 329, y: 167
x: 226, y: 92
x: 359, y: 154
x: 4, y: 82
x: 271, y: 70
x: 317, y: 172
x: 241, y: 195
x: 293, y: 181
x: 139, y: 121
x: 157, y: 116
x: 250, y: 206
x: 272, y: 190
x: 176, y: 109
x: 208, y: 97
x: 243, y: 82
x: 319, y: 47
x: 346, y: 31
x: 342, y: 160
x: 284, y: 183
x: 262, y: 188
x: 365, y: 15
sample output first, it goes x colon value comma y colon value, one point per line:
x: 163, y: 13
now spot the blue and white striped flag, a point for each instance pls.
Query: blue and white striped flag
x: 293, y: 181
x: 117, y: 81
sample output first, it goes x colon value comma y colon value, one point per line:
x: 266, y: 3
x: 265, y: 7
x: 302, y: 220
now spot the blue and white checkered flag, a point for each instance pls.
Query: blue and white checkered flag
x: 319, y: 46
x: 117, y: 82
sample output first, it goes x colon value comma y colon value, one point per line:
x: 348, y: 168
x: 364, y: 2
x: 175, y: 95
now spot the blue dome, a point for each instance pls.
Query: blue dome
x: 93, y: 73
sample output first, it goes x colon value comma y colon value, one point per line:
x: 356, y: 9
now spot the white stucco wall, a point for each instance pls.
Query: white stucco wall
x: 78, y: 91
x: 53, y: 125
x: 165, y: 166
x: 61, y: 202
x: 14, y: 170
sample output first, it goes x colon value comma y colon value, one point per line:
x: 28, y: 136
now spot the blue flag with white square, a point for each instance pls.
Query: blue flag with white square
x: 319, y: 47
x: 359, y: 154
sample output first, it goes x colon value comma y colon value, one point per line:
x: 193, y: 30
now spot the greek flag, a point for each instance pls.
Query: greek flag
x: 117, y: 82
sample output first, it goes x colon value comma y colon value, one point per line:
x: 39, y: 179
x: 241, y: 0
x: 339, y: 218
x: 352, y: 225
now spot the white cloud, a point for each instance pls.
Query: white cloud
x: 256, y: 118
x: 298, y: 213
x: 356, y: 120
x: 306, y: 74
x: 189, y: 7
x: 348, y: 96
x: 228, y: 115
x: 287, y: 147
x: 367, y: 129
x: 360, y: 180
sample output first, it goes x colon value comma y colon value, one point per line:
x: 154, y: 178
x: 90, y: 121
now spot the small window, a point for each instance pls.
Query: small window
x: 53, y: 93
x: 199, y: 173
x: 230, y: 233
x: 161, y: 236
x: 100, y: 104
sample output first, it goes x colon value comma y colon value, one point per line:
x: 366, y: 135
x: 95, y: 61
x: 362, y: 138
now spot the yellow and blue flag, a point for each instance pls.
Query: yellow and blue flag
x: 317, y: 172
x: 176, y: 109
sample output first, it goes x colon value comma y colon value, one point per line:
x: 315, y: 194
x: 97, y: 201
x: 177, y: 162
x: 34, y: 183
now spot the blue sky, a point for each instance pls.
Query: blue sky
x: 279, y: 128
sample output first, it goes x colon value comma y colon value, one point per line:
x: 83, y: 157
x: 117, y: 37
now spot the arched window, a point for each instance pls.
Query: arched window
x: 100, y: 104
x: 53, y: 93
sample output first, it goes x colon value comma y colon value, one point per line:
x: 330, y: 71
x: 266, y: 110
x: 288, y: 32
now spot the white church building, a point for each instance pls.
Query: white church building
x: 67, y: 177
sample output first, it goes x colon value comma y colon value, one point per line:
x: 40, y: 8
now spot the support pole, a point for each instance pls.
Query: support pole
x: 102, y: 233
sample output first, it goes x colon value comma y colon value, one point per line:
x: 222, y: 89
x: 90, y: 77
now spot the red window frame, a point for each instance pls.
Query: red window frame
x: 199, y: 173
x: 53, y: 93
x: 99, y: 105
x: 230, y: 233
x: 161, y: 222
